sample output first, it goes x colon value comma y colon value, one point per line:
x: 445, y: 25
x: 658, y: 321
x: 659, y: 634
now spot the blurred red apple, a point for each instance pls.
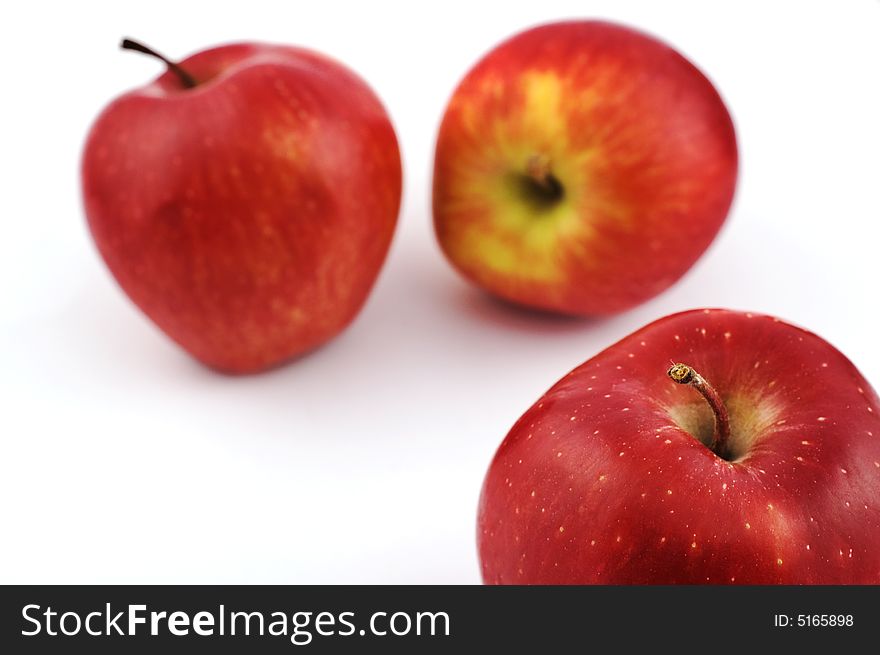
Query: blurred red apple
x: 573, y: 159
x: 619, y: 476
x: 245, y: 200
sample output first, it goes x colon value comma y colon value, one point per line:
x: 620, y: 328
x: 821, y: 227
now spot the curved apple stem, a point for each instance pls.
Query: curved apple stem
x: 186, y: 79
x: 684, y: 374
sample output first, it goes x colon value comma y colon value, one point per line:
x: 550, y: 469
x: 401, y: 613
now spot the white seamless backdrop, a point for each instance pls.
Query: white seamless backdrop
x: 124, y: 461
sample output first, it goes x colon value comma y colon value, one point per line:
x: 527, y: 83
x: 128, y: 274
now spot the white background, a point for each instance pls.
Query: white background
x: 124, y: 461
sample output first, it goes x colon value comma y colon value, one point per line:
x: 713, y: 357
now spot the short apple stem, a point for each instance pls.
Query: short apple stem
x: 186, y: 79
x: 541, y: 185
x: 684, y: 374
x: 538, y: 168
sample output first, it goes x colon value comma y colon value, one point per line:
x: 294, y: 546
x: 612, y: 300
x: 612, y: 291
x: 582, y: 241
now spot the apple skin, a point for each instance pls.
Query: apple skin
x: 602, y: 482
x: 249, y: 216
x: 639, y: 141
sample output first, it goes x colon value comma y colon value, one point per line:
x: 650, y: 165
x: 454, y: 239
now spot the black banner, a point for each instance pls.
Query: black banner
x: 335, y: 619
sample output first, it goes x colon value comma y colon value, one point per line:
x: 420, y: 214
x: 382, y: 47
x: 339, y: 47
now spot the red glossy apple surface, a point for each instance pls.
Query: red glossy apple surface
x: 608, y: 479
x: 572, y: 159
x: 247, y: 215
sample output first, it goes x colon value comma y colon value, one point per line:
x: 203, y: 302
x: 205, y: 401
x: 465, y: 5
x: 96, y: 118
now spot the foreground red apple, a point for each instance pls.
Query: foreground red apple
x: 245, y: 200
x: 572, y: 159
x: 611, y: 476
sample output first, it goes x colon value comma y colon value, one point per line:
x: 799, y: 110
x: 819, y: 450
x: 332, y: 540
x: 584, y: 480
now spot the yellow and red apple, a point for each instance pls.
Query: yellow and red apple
x: 582, y: 167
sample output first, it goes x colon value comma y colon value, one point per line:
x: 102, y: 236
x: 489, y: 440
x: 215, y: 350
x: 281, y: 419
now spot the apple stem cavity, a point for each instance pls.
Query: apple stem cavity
x: 188, y: 81
x: 684, y: 374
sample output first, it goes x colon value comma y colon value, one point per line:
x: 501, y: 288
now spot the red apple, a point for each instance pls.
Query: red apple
x: 245, y: 200
x: 617, y: 475
x: 572, y: 159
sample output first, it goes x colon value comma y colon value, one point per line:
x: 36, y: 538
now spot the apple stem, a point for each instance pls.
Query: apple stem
x: 544, y: 186
x: 186, y: 79
x: 684, y: 374
x: 538, y: 168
